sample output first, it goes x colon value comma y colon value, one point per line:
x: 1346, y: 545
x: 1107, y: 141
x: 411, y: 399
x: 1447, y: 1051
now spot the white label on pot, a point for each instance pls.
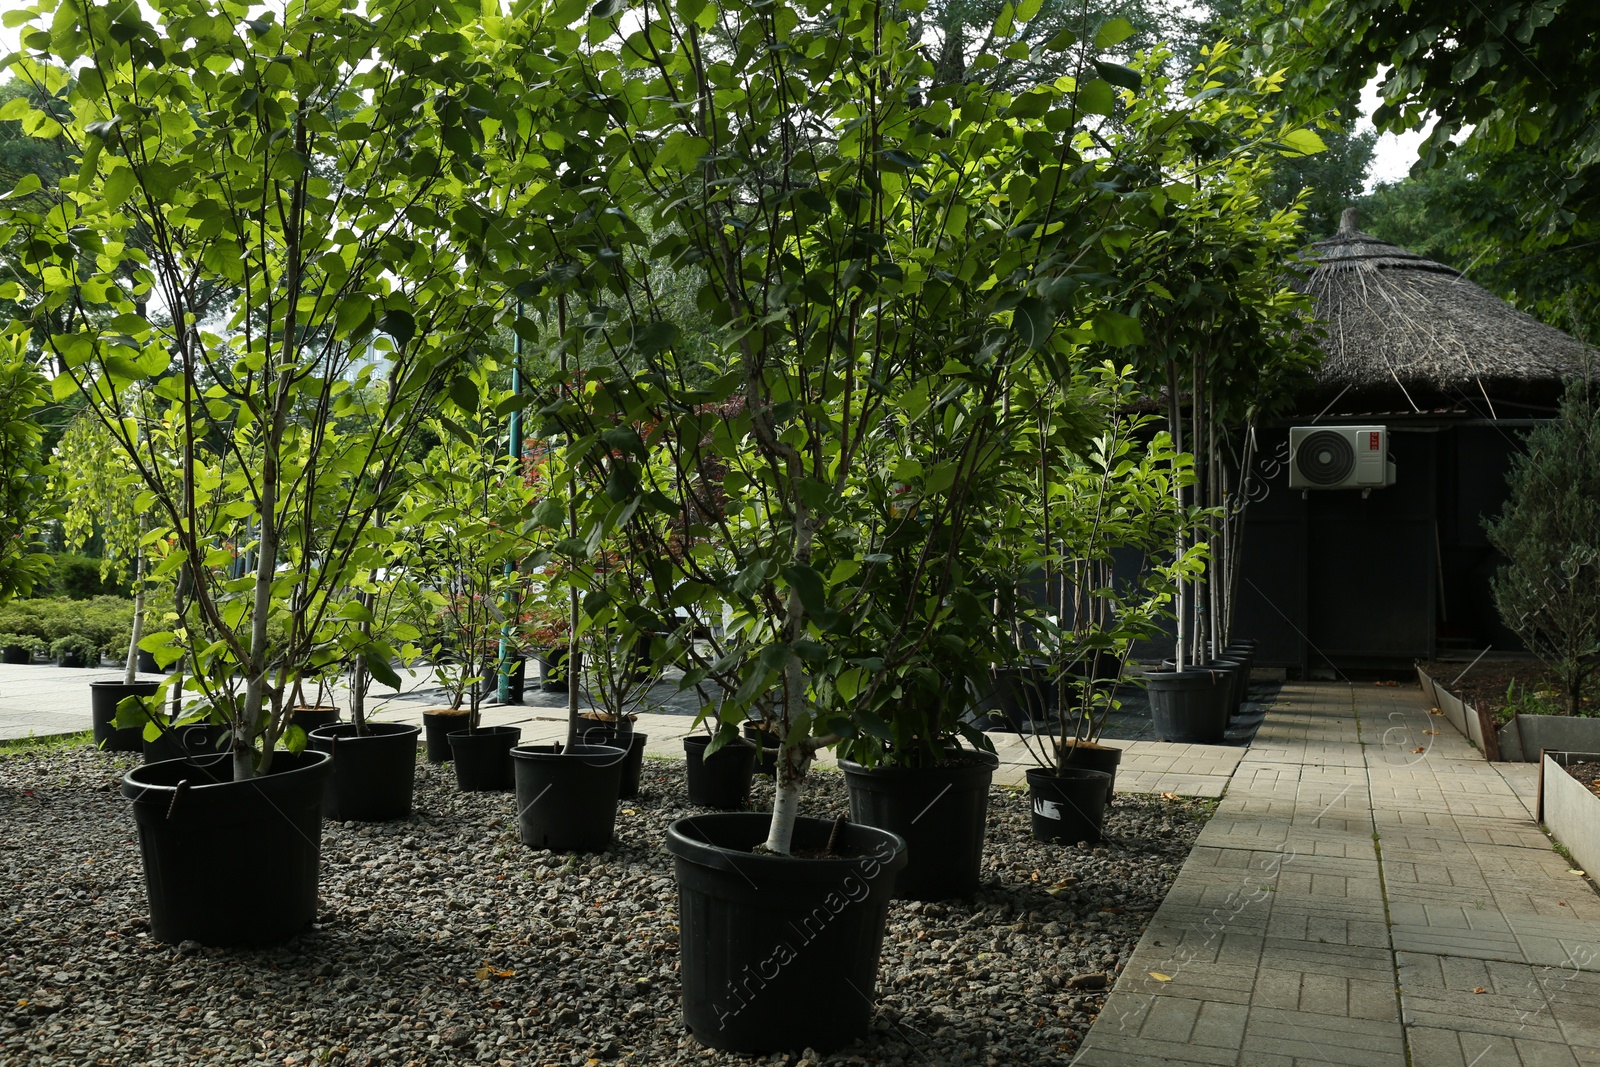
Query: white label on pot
x: 1048, y: 809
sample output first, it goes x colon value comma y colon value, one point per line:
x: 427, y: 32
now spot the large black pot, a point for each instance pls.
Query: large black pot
x: 604, y: 732
x: 1068, y: 806
x: 145, y: 663
x: 766, y: 748
x: 187, y: 742
x: 1094, y: 757
x: 374, y: 774
x: 225, y: 862
x: 567, y: 800
x: 15, y: 654
x: 483, y: 758
x: 103, y: 700
x: 309, y: 718
x: 553, y: 669
x: 1184, y: 706
x: 940, y: 812
x: 1230, y: 690
x: 723, y: 780
x: 1020, y: 697
x: 779, y: 954
x: 632, y: 767
x: 437, y: 726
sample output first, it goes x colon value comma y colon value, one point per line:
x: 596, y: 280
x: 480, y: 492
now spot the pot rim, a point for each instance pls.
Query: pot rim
x: 704, y: 853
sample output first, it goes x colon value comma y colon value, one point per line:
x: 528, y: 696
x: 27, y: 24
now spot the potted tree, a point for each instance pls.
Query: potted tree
x: 20, y: 648
x: 839, y: 298
x: 294, y: 357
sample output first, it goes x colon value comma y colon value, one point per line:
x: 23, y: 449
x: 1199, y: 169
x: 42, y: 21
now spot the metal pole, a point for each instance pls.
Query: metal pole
x: 513, y: 450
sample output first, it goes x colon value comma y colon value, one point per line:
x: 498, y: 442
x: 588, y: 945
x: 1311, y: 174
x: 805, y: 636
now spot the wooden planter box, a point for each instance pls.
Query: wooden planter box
x: 1520, y: 740
x: 1567, y: 809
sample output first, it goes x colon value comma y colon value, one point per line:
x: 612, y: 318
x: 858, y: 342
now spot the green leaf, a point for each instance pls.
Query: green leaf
x: 1112, y: 32
x: 1096, y: 97
x: 808, y: 583
x: 1115, y: 328
x: 1117, y: 74
x: 464, y: 392
x: 1302, y: 142
x: 1032, y: 321
x: 378, y: 666
x: 399, y: 325
x: 607, y: 9
x: 1005, y: 25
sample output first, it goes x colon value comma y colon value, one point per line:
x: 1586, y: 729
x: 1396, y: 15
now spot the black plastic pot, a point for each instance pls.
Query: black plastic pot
x: 723, y: 780
x: 766, y: 748
x: 103, y: 700
x: 309, y: 719
x: 567, y: 800
x: 779, y: 954
x: 1069, y: 806
x: 1095, y: 757
x: 553, y: 670
x: 194, y: 741
x: 940, y: 812
x: 604, y: 732
x: 1230, y: 692
x: 15, y: 654
x: 1184, y: 706
x: 437, y: 726
x: 373, y: 774
x: 146, y: 663
x: 632, y: 767
x: 483, y: 758
x: 225, y: 862
x: 1020, y: 697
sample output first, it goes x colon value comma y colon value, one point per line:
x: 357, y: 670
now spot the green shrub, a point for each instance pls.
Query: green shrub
x: 31, y: 643
x: 77, y: 578
x: 75, y: 650
x: 99, y: 619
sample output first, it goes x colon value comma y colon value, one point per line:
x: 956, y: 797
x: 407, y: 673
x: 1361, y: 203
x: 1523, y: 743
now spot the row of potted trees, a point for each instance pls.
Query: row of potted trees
x: 826, y: 367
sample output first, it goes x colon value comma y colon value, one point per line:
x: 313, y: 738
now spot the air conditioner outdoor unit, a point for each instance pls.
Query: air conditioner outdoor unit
x: 1339, y: 457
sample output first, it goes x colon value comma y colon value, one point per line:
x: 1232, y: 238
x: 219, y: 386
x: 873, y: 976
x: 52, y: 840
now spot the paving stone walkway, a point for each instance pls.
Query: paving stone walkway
x: 1369, y: 892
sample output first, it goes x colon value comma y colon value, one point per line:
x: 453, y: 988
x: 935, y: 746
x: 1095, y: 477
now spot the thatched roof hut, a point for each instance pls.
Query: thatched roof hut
x: 1396, y: 320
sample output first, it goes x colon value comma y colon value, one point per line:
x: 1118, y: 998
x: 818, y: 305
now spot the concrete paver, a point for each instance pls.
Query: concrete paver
x: 1370, y: 891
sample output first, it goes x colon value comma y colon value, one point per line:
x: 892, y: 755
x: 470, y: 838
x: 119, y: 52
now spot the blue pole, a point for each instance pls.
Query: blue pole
x: 514, y: 450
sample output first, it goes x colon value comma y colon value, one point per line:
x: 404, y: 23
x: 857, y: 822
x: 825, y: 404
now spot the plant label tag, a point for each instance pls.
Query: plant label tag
x: 1047, y: 809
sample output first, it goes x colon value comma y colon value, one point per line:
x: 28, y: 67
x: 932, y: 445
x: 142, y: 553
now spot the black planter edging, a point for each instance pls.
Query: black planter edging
x: 437, y: 726
x: 632, y: 767
x: 1184, y: 706
x: 1068, y: 807
x: 567, y: 800
x: 190, y: 742
x: 723, y: 781
x: 103, y: 700
x: 374, y: 774
x: 1095, y: 757
x: 483, y: 758
x: 225, y: 862
x: 779, y: 954
x: 940, y: 812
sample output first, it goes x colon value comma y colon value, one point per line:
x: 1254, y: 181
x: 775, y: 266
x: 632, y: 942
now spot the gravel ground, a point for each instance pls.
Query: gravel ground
x: 442, y: 940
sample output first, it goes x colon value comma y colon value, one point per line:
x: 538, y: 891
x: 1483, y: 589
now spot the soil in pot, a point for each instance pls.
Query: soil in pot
x: 567, y: 799
x: 437, y: 726
x: 187, y: 742
x: 1068, y: 806
x: 483, y: 758
x: 723, y: 780
x: 374, y: 773
x: 1094, y: 757
x: 939, y: 811
x: 1185, y: 708
x: 230, y: 863
x: 103, y: 700
x: 779, y: 953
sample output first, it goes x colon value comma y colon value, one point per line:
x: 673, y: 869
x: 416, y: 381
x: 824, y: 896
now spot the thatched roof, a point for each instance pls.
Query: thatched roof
x: 1394, y: 318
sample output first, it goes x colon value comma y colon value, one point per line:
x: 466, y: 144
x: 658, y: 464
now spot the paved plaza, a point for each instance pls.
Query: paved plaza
x: 1369, y: 892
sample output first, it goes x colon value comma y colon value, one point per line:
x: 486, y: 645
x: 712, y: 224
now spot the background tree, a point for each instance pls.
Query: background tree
x: 1548, y: 591
x: 23, y: 479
